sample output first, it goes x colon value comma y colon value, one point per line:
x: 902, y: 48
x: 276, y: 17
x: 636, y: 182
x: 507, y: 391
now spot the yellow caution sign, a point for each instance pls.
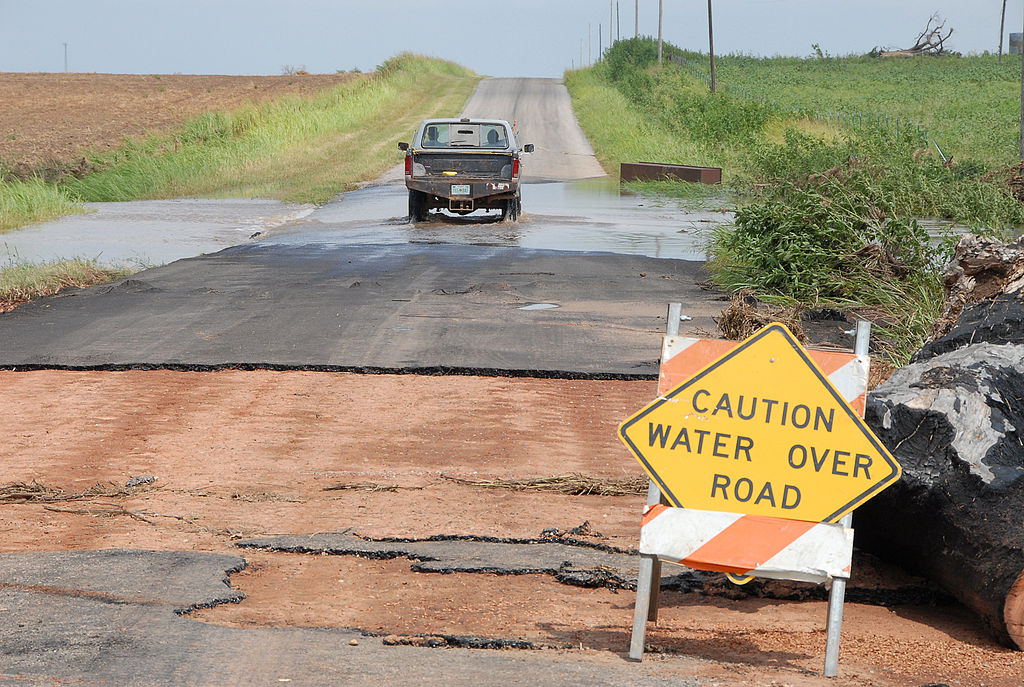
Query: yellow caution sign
x: 761, y: 431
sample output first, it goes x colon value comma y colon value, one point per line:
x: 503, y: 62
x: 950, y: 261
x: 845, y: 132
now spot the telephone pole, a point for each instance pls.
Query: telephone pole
x: 661, y: 7
x: 636, y: 18
x: 65, y: 58
x: 711, y: 49
x: 590, y: 48
x: 611, y: 22
x: 618, y: 23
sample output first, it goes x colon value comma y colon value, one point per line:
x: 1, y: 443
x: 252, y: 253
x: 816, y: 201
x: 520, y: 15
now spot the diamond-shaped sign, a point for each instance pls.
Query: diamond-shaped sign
x: 761, y: 431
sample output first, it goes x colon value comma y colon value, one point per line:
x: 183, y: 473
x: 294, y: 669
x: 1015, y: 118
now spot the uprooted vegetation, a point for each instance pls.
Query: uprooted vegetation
x: 828, y: 215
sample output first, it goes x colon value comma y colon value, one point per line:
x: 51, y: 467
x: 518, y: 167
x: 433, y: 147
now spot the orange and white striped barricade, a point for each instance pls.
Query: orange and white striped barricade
x: 740, y: 544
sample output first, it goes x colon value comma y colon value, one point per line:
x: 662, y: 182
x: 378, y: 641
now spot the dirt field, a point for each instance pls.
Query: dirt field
x: 49, y: 119
x: 240, y: 454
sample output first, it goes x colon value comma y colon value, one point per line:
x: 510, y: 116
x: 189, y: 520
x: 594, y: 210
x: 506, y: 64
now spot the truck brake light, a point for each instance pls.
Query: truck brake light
x: 515, y: 168
x: 408, y: 165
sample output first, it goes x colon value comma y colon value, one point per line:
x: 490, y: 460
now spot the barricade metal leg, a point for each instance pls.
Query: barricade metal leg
x: 648, y: 582
x: 834, y: 627
x: 652, y: 609
x: 648, y: 585
x: 837, y: 595
x: 644, y: 584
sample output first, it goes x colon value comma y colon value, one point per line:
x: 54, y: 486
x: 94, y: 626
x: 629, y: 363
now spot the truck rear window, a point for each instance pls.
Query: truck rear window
x: 461, y: 135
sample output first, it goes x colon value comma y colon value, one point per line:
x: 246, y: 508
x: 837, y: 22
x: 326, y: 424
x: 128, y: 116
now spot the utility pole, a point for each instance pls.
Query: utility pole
x: 581, y: 53
x: 661, y: 7
x: 590, y: 48
x: 618, y: 23
x: 600, y: 43
x: 711, y: 48
x: 636, y: 18
x: 1002, y: 25
x: 611, y: 23
x: 65, y: 58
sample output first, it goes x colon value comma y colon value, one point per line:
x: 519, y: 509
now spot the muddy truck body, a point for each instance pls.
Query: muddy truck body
x: 464, y: 165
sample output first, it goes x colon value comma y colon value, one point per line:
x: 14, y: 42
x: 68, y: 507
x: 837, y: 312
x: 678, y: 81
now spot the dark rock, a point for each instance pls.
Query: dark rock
x: 954, y: 421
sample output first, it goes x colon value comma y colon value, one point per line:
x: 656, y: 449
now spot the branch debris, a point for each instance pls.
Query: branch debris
x: 928, y: 42
x: 367, y: 486
x: 34, y: 492
x: 573, y: 484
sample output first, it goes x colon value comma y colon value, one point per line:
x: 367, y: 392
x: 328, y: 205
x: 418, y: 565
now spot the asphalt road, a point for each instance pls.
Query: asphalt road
x: 326, y: 294
x: 115, y: 617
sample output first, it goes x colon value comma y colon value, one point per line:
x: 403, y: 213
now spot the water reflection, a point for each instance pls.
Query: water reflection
x: 591, y: 215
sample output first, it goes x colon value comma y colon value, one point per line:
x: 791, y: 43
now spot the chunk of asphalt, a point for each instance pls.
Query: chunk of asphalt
x: 570, y: 561
x: 184, y: 580
x: 574, y: 562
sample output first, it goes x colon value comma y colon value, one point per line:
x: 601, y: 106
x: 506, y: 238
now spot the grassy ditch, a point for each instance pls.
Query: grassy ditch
x: 826, y: 213
x: 294, y: 149
x: 32, y: 200
x: 24, y: 282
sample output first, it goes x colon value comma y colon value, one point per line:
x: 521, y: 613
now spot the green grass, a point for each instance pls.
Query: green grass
x: 32, y: 200
x: 23, y: 282
x: 622, y: 130
x: 969, y: 105
x: 826, y: 212
x: 294, y: 149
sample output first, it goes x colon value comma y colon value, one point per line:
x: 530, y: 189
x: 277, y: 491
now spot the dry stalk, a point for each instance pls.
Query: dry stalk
x: 34, y: 492
x: 102, y: 512
x: 746, y: 315
x: 367, y: 486
x: 573, y: 484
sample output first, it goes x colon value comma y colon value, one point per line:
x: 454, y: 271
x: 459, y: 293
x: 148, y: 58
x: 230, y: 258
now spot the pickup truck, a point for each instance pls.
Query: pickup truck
x: 464, y: 165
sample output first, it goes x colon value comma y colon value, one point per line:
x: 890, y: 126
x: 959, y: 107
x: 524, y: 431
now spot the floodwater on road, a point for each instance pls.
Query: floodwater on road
x: 586, y: 216
x: 148, y: 232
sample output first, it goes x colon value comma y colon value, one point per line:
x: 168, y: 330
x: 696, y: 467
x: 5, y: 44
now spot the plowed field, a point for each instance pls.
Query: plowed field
x: 50, y: 119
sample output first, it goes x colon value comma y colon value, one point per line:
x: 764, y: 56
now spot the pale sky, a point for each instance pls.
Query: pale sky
x: 513, y: 38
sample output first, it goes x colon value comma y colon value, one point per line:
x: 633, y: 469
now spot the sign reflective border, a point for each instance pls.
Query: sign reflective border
x: 760, y: 431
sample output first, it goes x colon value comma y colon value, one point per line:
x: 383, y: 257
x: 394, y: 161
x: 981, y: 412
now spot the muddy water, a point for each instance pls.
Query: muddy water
x: 586, y: 216
x: 149, y: 232
x: 591, y: 215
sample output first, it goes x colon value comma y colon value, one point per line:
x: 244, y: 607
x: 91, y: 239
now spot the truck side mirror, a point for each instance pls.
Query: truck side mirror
x: 528, y: 148
x: 402, y: 145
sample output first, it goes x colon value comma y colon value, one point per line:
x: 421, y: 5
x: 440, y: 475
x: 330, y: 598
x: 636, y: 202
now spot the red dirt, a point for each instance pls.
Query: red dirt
x: 50, y: 119
x: 250, y: 453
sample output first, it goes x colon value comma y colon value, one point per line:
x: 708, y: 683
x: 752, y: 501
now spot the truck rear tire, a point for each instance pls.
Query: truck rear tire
x: 510, y: 212
x: 417, y: 206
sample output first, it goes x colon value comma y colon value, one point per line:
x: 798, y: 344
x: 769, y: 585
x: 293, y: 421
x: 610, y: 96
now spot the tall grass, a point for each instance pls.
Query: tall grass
x: 23, y: 282
x: 32, y: 200
x: 295, y: 149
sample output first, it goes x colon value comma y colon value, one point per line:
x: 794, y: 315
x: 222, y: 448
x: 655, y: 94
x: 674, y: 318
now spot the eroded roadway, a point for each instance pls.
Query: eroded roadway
x: 354, y: 286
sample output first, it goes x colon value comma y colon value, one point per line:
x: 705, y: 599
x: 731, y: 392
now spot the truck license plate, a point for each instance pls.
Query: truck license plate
x: 460, y: 189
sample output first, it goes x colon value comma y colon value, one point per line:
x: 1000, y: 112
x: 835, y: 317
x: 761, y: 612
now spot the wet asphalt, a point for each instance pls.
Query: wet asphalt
x: 577, y: 288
